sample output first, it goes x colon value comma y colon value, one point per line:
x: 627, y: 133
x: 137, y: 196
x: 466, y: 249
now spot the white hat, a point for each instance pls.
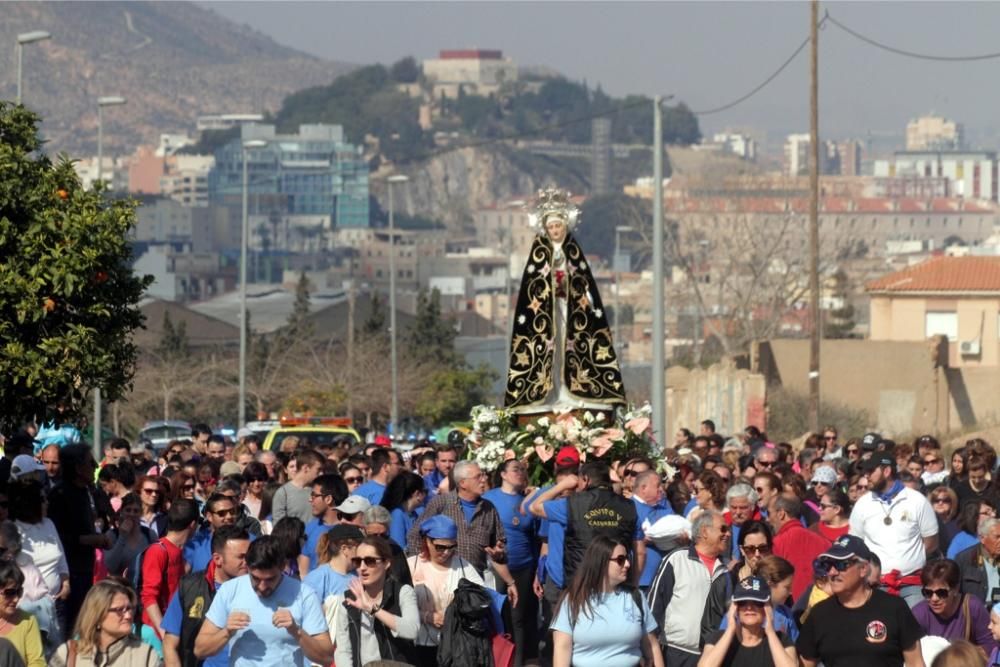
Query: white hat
x: 24, y: 465
x: 353, y: 505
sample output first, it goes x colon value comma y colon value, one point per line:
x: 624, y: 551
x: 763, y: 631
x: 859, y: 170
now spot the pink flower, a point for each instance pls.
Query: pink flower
x: 614, y: 433
x: 638, y: 425
x: 601, y: 445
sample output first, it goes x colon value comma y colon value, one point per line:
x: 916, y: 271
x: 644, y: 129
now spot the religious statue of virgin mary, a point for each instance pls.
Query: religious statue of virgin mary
x: 562, y: 356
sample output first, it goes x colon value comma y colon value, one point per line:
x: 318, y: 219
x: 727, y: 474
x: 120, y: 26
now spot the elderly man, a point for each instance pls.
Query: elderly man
x: 480, y: 530
x: 978, y: 563
x: 897, y: 524
x: 680, y: 588
x: 741, y: 501
x: 765, y: 459
x: 793, y: 542
x: 650, y: 505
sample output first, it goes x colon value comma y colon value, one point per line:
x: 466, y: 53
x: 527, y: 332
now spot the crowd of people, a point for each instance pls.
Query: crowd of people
x: 720, y: 552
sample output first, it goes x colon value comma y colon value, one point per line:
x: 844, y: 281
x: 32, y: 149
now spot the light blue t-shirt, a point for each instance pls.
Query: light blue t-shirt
x: 326, y: 581
x: 611, y: 635
x: 261, y: 643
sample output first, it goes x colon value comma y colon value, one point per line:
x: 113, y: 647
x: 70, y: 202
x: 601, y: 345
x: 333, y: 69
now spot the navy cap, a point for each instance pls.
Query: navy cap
x: 752, y: 589
x: 870, y: 441
x: 847, y: 546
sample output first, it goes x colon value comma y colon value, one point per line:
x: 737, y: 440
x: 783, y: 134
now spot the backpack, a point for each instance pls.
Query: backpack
x: 467, y: 632
x: 134, y: 575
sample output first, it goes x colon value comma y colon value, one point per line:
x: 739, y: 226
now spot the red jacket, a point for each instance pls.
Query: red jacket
x: 162, y: 569
x: 800, y: 547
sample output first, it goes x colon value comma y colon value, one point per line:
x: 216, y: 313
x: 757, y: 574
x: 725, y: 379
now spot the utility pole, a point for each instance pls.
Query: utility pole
x: 659, y: 328
x: 814, y: 333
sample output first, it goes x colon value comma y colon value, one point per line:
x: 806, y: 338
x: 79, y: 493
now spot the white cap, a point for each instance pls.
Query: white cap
x: 24, y: 465
x: 353, y: 505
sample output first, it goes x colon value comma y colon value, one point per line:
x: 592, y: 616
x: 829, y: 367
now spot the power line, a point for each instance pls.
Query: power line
x: 774, y: 75
x: 904, y: 52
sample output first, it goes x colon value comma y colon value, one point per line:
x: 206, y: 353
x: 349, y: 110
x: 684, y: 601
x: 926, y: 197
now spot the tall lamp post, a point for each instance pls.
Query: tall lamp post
x: 102, y: 102
x: 22, y: 39
x: 659, y: 328
x: 394, y: 412
x: 248, y: 146
x: 618, y: 315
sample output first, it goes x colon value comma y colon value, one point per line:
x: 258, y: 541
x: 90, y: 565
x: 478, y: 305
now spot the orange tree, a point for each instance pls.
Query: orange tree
x: 68, y: 296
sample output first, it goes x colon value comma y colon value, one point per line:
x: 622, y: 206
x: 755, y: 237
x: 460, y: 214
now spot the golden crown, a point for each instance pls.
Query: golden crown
x: 553, y: 202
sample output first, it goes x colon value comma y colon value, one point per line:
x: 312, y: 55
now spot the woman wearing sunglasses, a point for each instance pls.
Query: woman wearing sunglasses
x: 749, y: 636
x: 104, y: 631
x: 834, y: 514
x: 16, y: 626
x: 436, y: 571
x: 382, y: 617
x: 601, y: 621
x: 947, y: 612
x: 755, y: 542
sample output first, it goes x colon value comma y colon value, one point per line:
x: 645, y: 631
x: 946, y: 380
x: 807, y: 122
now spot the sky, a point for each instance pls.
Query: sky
x: 704, y: 53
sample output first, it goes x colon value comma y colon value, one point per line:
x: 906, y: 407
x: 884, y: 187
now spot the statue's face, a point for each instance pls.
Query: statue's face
x: 555, y: 228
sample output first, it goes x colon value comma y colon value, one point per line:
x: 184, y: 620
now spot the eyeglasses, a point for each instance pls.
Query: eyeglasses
x: 818, y: 484
x: 12, y: 593
x: 928, y: 462
x: 839, y: 565
x: 122, y: 611
x: 319, y: 495
x: 621, y: 560
x: 827, y: 506
x: 723, y: 529
x: 766, y: 464
x: 224, y: 513
x: 630, y: 473
x: 943, y: 500
x: 369, y: 561
x: 760, y: 490
x: 346, y: 517
x: 851, y: 450
x: 829, y: 437
x: 442, y: 548
x: 939, y: 593
x: 354, y: 480
x: 753, y: 549
x: 151, y: 491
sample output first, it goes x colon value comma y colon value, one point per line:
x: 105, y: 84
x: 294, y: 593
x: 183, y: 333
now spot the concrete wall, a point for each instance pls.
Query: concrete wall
x: 903, y: 385
x: 729, y: 396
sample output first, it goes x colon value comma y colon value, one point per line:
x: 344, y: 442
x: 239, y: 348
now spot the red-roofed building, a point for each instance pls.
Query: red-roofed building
x: 955, y: 297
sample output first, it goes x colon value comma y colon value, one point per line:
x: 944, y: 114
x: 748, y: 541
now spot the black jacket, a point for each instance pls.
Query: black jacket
x: 466, y: 637
x: 973, y: 572
x: 592, y: 513
x: 390, y: 647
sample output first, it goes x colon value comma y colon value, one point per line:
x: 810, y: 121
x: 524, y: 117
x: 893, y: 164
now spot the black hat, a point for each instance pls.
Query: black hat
x: 343, y: 531
x: 877, y: 460
x: 847, y: 546
x: 870, y: 441
x: 752, y: 589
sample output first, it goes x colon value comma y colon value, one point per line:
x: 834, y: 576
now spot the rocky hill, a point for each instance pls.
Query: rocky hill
x: 173, y: 61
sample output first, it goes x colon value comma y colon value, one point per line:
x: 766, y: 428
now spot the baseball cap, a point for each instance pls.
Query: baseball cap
x: 229, y: 468
x: 568, y: 456
x: 824, y: 475
x: 24, y: 465
x: 847, y: 546
x: 344, y: 531
x: 877, y: 460
x: 439, y: 527
x: 353, y: 505
x: 870, y: 441
x: 752, y: 589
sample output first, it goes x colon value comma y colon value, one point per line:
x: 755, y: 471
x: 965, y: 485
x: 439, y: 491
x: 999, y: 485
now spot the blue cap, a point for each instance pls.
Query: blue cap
x: 439, y: 527
x: 752, y: 589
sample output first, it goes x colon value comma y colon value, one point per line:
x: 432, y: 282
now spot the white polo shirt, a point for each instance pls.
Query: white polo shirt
x: 899, y: 545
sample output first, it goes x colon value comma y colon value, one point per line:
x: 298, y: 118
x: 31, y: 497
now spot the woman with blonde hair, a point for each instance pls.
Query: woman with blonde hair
x: 104, y: 631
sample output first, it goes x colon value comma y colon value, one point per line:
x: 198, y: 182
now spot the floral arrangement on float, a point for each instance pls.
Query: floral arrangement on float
x: 495, y: 437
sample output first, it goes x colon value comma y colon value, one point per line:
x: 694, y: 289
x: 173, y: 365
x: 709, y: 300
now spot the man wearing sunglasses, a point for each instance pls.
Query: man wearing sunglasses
x: 328, y: 491
x: 859, y: 626
x: 220, y: 510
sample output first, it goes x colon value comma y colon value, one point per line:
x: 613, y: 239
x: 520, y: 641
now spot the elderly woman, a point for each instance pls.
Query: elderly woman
x: 436, y: 571
x: 947, y: 612
x: 749, y: 636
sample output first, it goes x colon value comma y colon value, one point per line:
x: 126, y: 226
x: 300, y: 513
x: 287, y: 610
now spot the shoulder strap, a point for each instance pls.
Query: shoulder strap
x: 968, y: 617
x: 71, y: 654
x: 637, y: 598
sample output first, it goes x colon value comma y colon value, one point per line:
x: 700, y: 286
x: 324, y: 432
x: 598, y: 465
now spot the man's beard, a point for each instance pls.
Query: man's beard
x: 881, y: 486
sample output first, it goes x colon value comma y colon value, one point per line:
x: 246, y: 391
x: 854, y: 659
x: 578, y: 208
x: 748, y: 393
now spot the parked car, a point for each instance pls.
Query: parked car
x: 160, y: 433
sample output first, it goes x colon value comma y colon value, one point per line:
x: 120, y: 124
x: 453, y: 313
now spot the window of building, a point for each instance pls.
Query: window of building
x: 940, y: 323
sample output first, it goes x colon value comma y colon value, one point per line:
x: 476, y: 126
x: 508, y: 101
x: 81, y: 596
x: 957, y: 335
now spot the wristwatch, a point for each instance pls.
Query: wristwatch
x: 374, y: 609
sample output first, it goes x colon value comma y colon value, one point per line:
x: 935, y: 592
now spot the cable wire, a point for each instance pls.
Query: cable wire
x: 774, y: 75
x: 904, y: 52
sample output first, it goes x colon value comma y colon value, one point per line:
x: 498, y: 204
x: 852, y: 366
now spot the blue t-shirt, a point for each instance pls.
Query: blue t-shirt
x: 557, y: 516
x: 610, y: 636
x: 519, y: 528
x: 172, y: 619
x: 960, y: 543
x: 690, y: 506
x: 371, y: 490
x: 261, y: 643
x: 314, y: 529
x: 432, y: 481
x: 198, y: 550
x: 326, y: 581
x: 468, y: 509
x: 653, y: 557
x: 400, y: 525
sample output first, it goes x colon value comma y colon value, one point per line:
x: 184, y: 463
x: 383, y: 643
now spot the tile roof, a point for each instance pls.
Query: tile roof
x: 943, y: 274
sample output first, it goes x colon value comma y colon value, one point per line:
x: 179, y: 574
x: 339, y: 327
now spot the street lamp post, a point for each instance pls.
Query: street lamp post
x: 659, y: 328
x: 394, y: 412
x: 618, y: 315
x: 244, y: 234
x: 101, y: 103
x: 22, y: 39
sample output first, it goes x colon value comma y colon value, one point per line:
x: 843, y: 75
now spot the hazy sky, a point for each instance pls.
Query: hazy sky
x: 706, y: 53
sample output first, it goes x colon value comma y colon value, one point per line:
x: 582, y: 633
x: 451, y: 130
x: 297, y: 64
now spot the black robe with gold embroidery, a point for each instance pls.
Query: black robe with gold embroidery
x: 590, y: 367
